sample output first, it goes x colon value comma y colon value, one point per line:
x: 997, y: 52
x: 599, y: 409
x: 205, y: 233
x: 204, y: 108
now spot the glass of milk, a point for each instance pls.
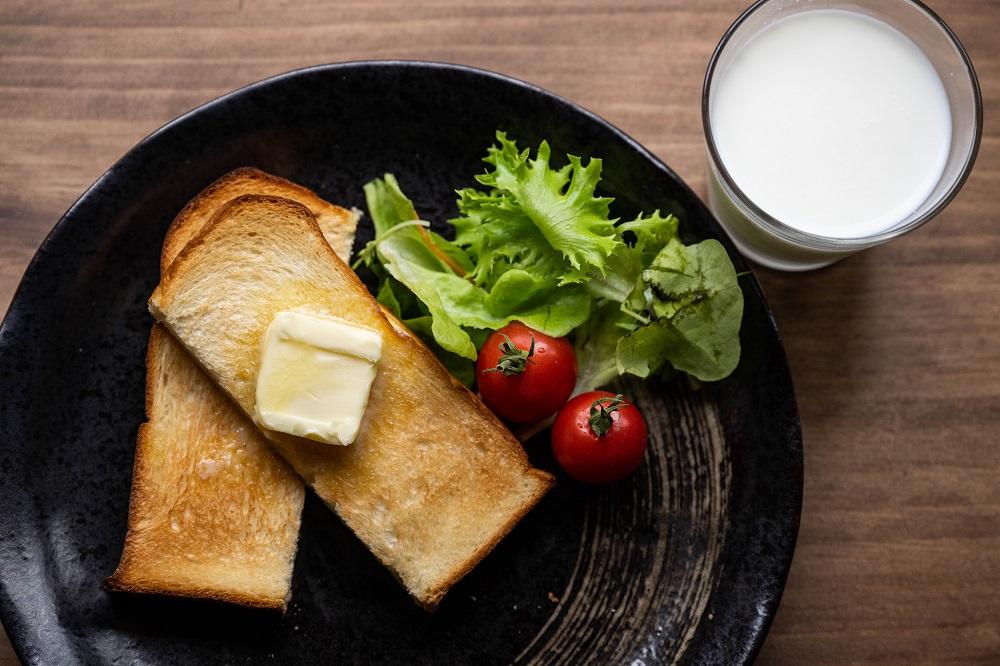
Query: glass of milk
x: 836, y: 126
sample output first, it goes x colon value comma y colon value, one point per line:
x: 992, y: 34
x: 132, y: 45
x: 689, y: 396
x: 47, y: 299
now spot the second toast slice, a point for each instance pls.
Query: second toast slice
x: 214, y: 513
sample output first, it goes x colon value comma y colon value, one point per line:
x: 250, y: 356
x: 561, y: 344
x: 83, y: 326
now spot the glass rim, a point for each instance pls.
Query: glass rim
x: 790, y: 233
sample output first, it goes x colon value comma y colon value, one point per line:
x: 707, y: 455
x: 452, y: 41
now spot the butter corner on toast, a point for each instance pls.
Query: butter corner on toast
x: 434, y: 480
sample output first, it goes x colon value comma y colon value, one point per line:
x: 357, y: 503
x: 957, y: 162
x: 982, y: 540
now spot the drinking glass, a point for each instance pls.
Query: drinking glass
x: 778, y: 244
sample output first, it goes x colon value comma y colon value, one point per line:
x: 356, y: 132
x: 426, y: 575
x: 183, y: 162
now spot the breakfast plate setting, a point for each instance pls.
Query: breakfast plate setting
x: 407, y: 362
x: 181, y: 540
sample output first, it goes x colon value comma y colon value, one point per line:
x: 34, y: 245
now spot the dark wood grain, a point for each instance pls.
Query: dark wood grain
x: 895, y: 352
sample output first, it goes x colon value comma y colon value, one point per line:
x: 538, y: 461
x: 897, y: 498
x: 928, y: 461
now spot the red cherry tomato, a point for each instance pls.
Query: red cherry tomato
x: 525, y: 376
x: 595, y: 445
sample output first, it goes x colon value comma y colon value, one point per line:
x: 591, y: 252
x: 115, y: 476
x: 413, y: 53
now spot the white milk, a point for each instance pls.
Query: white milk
x: 833, y: 123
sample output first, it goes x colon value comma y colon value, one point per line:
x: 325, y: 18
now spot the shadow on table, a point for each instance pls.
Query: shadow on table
x: 825, y: 318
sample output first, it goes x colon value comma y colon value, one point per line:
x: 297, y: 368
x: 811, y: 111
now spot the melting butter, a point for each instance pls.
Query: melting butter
x: 315, y: 376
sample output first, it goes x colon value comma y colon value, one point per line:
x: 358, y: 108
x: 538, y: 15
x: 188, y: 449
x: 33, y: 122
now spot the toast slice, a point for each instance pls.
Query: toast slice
x: 433, y: 480
x: 214, y: 512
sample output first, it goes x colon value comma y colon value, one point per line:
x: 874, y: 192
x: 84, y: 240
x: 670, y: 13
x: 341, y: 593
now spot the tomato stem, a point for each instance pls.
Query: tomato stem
x: 513, y: 361
x: 600, y: 413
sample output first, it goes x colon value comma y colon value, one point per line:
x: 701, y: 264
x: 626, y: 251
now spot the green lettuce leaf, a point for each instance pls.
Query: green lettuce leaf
x: 399, y: 300
x: 387, y: 204
x: 651, y: 234
x: 452, y: 302
x: 538, y: 302
x: 596, y: 342
x: 443, y: 293
x: 625, y: 265
x: 698, y: 305
x: 463, y: 369
x: 405, y: 255
x: 498, y: 236
x: 386, y: 297
x: 560, y: 203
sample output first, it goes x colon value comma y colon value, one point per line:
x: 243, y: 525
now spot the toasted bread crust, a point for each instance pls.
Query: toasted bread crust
x: 122, y: 583
x: 337, y: 224
x: 325, y: 468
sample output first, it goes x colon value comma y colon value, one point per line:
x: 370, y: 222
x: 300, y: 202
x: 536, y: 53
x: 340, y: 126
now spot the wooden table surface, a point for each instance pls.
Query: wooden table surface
x: 894, y: 352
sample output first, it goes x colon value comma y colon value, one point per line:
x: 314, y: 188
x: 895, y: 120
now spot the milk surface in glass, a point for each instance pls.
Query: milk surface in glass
x: 832, y: 122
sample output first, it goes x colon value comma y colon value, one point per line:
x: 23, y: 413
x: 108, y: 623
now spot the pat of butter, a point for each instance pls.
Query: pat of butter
x: 315, y: 375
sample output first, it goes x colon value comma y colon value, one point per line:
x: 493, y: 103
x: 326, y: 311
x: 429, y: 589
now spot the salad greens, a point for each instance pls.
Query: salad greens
x: 536, y: 244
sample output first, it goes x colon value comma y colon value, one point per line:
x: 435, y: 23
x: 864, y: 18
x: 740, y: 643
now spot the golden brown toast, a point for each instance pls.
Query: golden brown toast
x: 214, y: 513
x: 434, y: 480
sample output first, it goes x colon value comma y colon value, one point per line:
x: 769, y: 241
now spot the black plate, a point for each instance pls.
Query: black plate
x: 685, y: 561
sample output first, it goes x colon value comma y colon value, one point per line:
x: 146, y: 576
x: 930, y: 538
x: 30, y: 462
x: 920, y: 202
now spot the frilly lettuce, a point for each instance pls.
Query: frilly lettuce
x: 560, y: 205
x: 539, y: 246
x: 438, y: 273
